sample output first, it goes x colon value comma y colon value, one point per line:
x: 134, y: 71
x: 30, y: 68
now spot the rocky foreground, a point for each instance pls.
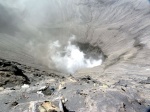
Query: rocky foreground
x: 26, y: 89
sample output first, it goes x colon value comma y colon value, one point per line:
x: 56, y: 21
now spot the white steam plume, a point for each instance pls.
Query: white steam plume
x: 69, y: 58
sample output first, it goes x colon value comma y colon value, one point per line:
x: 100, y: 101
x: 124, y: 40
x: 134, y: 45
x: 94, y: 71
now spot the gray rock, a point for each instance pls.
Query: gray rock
x: 11, y: 75
x: 146, y: 81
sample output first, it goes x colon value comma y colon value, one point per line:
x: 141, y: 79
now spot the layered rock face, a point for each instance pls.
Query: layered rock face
x: 119, y: 28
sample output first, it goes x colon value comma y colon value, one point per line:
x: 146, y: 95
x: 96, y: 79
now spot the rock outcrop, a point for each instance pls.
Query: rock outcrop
x: 11, y: 75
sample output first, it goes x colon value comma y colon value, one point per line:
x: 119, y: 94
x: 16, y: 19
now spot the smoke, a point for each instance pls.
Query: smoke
x: 69, y: 58
x: 40, y: 30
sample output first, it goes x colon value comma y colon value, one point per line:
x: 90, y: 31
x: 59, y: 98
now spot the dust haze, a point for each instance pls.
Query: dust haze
x: 37, y: 25
x: 33, y: 25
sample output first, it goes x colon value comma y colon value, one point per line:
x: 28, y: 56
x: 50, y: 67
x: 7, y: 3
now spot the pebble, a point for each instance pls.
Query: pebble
x: 1, y: 88
x: 25, y: 86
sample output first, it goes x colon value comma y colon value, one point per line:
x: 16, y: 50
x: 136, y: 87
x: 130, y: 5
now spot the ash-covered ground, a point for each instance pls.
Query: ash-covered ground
x: 80, y: 55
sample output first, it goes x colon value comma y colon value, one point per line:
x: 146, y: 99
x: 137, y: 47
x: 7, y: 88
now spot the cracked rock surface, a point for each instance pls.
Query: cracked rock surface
x: 80, y: 94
